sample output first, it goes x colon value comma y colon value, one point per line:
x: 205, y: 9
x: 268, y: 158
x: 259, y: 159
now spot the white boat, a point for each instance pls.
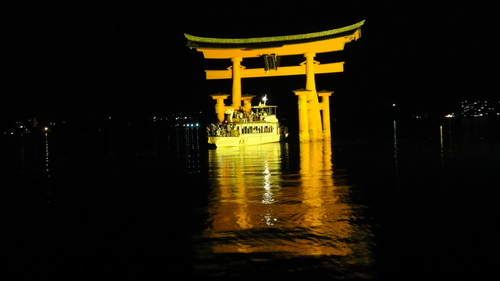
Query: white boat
x: 258, y: 126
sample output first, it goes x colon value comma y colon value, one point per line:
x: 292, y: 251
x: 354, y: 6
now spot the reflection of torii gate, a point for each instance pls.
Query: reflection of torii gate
x: 311, y: 127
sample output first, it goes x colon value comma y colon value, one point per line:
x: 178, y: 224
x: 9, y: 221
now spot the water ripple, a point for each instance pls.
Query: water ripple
x: 259, y: 213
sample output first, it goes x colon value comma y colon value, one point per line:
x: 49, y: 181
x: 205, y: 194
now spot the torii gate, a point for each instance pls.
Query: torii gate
x: 312, y: 124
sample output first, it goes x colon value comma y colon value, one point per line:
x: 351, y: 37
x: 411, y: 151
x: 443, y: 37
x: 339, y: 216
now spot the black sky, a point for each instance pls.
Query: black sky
x: 90, y: 58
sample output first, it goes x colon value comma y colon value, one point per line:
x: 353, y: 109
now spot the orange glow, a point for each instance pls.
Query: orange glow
x: 306, y: 214
x: 313, y: 126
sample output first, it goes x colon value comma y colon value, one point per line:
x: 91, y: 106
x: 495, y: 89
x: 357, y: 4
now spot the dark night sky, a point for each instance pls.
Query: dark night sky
x: 88, y: 58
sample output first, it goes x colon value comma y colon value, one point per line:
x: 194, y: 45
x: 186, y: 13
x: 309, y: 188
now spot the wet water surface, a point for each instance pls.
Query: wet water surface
x: 416, y: 202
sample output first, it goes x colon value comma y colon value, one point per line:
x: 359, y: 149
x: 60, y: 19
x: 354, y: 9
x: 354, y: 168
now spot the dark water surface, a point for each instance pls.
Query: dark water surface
x: 417, y: 200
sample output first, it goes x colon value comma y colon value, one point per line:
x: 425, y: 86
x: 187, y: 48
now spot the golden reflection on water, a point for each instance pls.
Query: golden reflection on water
x: 255, y: 208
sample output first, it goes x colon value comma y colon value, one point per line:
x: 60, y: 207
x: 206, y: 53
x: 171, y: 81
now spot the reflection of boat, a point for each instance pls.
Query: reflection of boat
x: 257, y: 126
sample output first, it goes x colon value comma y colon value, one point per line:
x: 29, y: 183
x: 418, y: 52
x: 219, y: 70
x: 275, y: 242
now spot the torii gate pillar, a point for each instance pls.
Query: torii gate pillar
x: 304, y: 131
x: 325, y: 110
x: 236, y: 68
x: 219, y: 105
x: 314, y: 116
x: 247, y: 102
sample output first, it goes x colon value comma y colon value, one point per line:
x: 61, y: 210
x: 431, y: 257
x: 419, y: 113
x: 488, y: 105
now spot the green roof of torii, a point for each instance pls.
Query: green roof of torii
x: 196, y: 41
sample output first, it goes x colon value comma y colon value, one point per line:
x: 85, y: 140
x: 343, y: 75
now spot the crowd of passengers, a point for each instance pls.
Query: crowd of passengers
x: 231, y: 129
x: 245, y: 117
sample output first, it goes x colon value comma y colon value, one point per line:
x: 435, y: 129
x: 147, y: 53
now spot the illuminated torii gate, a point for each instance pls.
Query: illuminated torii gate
x: 311, y: 127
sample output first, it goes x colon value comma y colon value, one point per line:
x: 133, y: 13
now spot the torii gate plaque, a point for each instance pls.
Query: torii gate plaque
x: 312, y: 124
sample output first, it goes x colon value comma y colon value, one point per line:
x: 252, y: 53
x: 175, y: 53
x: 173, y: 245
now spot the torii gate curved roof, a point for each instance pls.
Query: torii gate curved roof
x: 272, y: 41
x: 323, y: 41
